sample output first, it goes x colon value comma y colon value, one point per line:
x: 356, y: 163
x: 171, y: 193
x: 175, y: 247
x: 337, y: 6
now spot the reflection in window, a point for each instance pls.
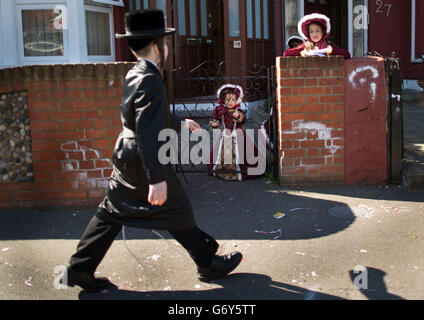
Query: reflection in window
x: 40, y: 36
x: 234, y: 18
x: 98, y: 33
x: 291, y: 18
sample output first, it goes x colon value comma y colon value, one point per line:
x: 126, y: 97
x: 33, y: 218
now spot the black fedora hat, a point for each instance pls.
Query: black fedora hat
x: 144, y: 24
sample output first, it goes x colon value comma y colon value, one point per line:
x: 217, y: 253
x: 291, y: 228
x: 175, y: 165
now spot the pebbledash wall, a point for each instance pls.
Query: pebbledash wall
x: 332, y: 120
x: 71, y: 118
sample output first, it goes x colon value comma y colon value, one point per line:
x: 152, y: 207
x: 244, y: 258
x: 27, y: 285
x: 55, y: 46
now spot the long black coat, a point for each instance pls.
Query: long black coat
x: 145, y: 111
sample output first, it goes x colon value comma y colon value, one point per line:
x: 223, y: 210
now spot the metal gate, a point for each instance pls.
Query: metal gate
x: 193, y: 95
x: 394, y: 120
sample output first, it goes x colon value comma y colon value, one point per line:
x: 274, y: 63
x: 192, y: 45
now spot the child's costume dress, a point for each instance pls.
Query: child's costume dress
x: 303, y: 29
x: 228, y: 159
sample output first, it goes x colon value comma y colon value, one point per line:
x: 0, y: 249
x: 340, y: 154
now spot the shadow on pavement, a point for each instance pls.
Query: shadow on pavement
x: 226, y: 210
x: 371, y: 284
x: 234, y: 287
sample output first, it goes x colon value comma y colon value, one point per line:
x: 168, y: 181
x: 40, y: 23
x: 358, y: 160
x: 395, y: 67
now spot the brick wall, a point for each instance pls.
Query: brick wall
x: 332, y: 116
x: 311, y: 119
x: 74, y: 120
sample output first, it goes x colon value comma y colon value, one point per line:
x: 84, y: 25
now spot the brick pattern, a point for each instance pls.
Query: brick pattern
x: 75, y: 119
x: 310, y: 95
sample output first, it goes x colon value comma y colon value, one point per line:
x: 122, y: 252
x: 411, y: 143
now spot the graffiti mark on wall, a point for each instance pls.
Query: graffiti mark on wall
x: 363, y: 76
x: 321, y: 131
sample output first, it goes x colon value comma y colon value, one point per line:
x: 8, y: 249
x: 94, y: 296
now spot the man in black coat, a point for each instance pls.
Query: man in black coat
x: 142, y: 192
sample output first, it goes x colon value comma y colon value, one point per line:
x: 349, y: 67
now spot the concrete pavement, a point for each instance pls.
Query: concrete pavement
x: 317, y: 250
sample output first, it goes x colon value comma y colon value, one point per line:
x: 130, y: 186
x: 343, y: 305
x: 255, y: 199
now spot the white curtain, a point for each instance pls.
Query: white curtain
x: 98, y: 33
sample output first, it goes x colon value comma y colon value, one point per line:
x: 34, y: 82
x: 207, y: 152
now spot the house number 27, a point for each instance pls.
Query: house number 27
x: 381, y: 6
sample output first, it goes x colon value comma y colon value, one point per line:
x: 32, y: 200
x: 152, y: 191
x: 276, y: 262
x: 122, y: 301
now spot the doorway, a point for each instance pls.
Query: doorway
x: 200, y: 32
x: 337, y: 11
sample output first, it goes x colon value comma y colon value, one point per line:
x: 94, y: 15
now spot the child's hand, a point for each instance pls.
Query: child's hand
x: 309, y: 46
x: 329, y: 50
x: 214, y: 124
x: 236, y: 115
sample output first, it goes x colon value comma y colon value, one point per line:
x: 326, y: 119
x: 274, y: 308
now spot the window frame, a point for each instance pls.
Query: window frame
x: 101, y: 58
x: 20, y: 6
x: 118, y: 3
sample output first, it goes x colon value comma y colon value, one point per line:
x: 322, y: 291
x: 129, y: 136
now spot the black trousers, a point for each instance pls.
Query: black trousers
x: 99, y: 236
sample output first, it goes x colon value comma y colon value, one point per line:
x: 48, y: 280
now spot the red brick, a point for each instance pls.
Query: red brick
x: 41, y: 105
x: 83, y: 84
x: 88, y: 184
x: 47, y: 166
x: 331, y: 81
x: 82, y: 104
x: 87, y: 164
x: 313, y: 161
x: 42, y: 156
x: 292, y: 82
x: 5, y: 197
x: 9, y: 186
x: 331, y: 116
x: 109, y: 113
x: 103, y: 164
x: 68, y: 115
x: 99, y: 104
x: 293, y: 100
x: 103, y: 123
x: 107, y: 172
x: 86, y: 124
x: 94, y: 174
x: 66, y: 94
x: 90, y: 94
x: 76, y: 155
x: 44, y: 176
x: 311, y: 73
x: 41, y: 85
x: 72, y: 195
x: 49, y: 195
x: 329, y: 99
x: 66, y: 84
x: 48, y: 186
x: 41, y: 135
x: 71, y: 145
x: 71, y: 175
x: 68, y: 125
x: 312, y: 90
x: 96, y: 194
x: 89, y: 154
x: 294, y: 171
x: 69, y: 135
x: 293, y: 117
x: 94, y: 134
x: 294, y: 153
x: 38, y: 95
x: 71, y: 184
x: 114, y: 102
x: 312, y: 144
x: 45, y: 146
x: 67, y: 105
x: 26, y: 195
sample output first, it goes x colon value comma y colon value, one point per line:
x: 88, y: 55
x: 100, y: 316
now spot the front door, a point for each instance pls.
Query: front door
x: 200, y: 33
x: 337, y: 11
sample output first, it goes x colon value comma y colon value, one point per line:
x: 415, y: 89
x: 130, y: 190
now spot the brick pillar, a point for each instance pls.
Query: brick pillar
x: 311, y: 119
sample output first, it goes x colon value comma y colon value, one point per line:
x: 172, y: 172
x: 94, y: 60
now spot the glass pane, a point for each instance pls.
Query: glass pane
x: 358, y: 28
x: 193, y: 17
x: 42, y: 34
x: 249, y: 18
x: 291, y: 18
x: 258, y: 19
x: 137, y: 4
x: 98, y: 33
x: 204, y: 18
x: 131, y: 3
x: 181, y: 18
x: 161, y: 5
x: 145, y: 4
x: 234, y: 18
x: 265, y: 19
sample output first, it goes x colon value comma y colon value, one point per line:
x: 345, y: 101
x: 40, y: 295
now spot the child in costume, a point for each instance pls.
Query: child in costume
x: 226, y: 153
x: 315, y: 28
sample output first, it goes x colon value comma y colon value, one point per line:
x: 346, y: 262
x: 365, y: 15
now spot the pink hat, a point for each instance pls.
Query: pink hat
x: 303, y: 25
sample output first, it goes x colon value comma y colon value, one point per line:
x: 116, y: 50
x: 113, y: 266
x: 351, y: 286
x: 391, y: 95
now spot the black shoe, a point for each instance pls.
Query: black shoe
x: 84, y: 280
x: 220, y: 266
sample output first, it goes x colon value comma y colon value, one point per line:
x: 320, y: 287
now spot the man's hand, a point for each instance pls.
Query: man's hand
x: 158, y: 193
x: 192, y: 125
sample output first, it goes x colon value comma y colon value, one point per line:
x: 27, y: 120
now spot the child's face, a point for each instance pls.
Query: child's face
x: 230, y: 100
x: 315, y: 32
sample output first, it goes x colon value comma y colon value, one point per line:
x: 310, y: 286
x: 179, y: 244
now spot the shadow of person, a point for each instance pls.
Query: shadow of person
x: 238, y: 286
x: 370, y: 282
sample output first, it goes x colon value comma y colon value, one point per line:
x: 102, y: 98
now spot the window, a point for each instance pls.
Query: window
x: 99, y: 33
x: 257, y: 19
x: 42, y: 35
x: 204, y: 18
x: 181, y: 18
x: 234, y: 18
x: 249, y: 18
x: 193, y: 17
x: 291, y: 17
x: 119, y: 3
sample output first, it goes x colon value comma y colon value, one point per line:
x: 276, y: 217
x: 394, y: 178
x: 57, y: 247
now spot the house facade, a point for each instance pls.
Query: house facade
x: 244, y: 33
